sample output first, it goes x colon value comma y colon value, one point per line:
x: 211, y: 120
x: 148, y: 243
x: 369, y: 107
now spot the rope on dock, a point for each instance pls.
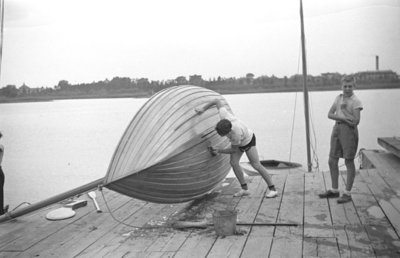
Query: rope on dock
x: 100, y: 188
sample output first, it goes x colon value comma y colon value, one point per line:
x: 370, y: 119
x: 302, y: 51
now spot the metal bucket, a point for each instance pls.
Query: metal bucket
x: 225, y: 222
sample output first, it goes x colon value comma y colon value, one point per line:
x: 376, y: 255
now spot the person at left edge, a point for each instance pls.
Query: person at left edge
x: 2, y: 208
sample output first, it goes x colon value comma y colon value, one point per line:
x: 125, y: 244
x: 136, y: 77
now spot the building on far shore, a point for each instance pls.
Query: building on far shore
x: 377, y: 76
x: 26, y: 90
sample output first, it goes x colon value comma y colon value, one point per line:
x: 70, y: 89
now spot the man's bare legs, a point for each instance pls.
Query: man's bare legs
x: 351, y: 173
x: 252, y: 155
x: 334, y: 169
x: 237, y: 169
x: 254, y: 159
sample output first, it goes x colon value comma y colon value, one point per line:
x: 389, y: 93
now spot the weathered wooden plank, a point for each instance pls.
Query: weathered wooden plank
x: 320, y: 247
x: 120, y: 237
x: 147, y: 255
x: 391, y: 144
x: 248, y: 206
x: 368, y: 208
x: 286, y: 244
x: 41, y: 228
x: 287, y: 241
x: 203, y: 208
x: 386, y: 197
x: 132, y: 247
x: 197, y: 245
x: 292, y: 205
x: 317, y: 218
x: 269, y: 208
x: 258, y: 243
x: 342, y: 214
x: 392, y: 179
x: 71, y: 240
x: 151, y: 255
x: 326, y: 176
x: 392, y: 214
x: 384, y: 240
x: 16, y: 230
x: 291, y: 211
x: 158, y: 254
x: 230, y: 246
x: 353, y: 241
x: 9, y: 254
x: 257, y: 186
x: 170, y: 241
x: 386, y: 164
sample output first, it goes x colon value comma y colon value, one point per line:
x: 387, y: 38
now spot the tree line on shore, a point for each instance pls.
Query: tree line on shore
x: 143, y: 87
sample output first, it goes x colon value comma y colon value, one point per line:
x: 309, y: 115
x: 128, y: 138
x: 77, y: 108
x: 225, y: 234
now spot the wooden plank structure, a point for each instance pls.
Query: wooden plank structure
x: 369, y: 226
x: 392, y: 144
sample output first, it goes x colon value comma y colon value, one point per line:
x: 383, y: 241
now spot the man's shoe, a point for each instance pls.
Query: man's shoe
x: 271, y: 194
x: 242, y: 193
x: 329, y: 194
x: 345, y: 198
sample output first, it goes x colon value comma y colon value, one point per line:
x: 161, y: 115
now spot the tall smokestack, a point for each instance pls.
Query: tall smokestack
x: 377, y: 62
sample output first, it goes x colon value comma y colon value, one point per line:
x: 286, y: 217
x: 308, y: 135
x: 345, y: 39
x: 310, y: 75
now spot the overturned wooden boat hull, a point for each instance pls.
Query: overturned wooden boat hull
x: 163, y: 155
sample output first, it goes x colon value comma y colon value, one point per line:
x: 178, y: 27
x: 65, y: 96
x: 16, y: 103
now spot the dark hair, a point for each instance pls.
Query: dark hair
x: 223, y: 127
x: 349, y: 79
x: 1, y: 135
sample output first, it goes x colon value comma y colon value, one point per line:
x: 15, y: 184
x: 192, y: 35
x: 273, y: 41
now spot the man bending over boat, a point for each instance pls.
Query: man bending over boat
x: 344, y: 139
x: 242, y: 140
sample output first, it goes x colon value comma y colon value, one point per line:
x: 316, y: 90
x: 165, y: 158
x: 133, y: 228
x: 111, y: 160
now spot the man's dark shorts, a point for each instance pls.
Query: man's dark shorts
x: 344, y: 141
x: 249, y: 145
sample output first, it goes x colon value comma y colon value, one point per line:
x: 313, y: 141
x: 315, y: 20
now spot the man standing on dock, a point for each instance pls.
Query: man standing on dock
x: 242, y: 140
x: 345, y: 111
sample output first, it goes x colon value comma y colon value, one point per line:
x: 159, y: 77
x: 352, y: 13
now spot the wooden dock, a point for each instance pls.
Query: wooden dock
x: 391, y: 144
x: 369, y: 226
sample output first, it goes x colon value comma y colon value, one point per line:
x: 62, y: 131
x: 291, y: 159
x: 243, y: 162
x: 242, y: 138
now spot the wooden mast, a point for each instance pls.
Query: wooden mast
x: 1, y: 32
x: 305, y: 89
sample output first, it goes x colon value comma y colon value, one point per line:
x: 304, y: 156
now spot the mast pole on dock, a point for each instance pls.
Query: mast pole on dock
x: 1, y: 31
x: 305, y: 89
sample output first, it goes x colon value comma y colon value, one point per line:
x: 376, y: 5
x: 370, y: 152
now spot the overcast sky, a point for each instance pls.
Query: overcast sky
x: 82, y: 41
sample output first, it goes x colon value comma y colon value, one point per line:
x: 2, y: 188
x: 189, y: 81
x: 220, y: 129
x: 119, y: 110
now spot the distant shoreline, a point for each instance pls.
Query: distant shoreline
x: 26, y: 99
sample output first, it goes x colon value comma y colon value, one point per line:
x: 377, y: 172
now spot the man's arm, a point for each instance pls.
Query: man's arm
x: 350, y: 119
x: 214, y: 102
x: 356, y: 117
x: 333, y: 115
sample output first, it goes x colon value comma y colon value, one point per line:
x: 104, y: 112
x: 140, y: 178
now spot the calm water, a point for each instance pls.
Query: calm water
x: 52, y: 147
